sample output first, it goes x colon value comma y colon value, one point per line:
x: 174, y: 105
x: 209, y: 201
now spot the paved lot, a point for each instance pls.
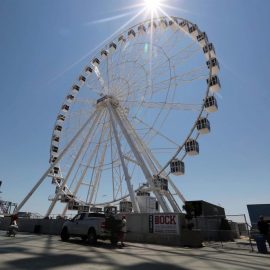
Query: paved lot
x: 28, y: 251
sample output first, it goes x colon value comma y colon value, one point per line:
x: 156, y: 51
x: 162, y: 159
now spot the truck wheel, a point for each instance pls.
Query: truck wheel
x: 64, y: 235
x: 92, y: 237
x: 114, y: 241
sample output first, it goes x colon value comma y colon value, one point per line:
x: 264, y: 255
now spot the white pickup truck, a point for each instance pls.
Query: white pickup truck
x: 91, y: 227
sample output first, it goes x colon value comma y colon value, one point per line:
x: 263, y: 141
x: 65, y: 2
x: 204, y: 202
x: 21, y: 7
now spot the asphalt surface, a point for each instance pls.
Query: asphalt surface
x: 29, y: 251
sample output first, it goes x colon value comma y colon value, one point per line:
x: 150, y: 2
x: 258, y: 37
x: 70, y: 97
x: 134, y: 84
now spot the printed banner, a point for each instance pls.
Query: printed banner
x: 164, y: 223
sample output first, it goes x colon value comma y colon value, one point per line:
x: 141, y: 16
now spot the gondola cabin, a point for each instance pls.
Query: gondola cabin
x: 160, y: 183
x: 214, y: 83
x: 141, y: 29
x: 173, y: 24
x: 95, y: 62
x: 54, y: 149
x: 55, y: 138
x: 75, y: 89
x: 192, y: 147
x: 104, y: 54
x: 70, y: 98
x: 163, y: 24
x: 82, y: 79
x: 209, y: 49
x: 61, y: 118
x: 193, y: 31
x: 121, y: 39
x: 203, y: 125
x: 58, y: 128
x: 184, y: 25
x: 125, y: 206
x: 65, y: 108
x: 202, y: 39
x: 177, y: 167
x: 210, y: 104
x: 215, y: 65
x: 88, y: 70
x: 57, y: 180
x: 131, y: 34
x: 112, y: 47
x: 152, y: 26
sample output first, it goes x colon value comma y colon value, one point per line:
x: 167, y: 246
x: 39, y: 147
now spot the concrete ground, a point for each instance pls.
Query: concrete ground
x: 29, y: 251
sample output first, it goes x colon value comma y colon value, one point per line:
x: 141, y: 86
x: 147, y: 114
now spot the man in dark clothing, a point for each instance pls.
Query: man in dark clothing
x: 263, y: 228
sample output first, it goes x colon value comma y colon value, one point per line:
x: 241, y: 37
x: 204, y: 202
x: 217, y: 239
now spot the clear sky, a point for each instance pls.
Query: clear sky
x: 42, y: 43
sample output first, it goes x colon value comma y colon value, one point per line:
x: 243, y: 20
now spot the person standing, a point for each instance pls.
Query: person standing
x: 123, y: 231
x: 263, y: 228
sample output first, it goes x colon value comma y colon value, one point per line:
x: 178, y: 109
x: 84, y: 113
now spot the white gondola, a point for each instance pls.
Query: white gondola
x: 209, y: 49
x: 70, y: 98
x: 163, y: 24
x: 53, y: 158
x: 192, y: 147
x: 173, y: 24
x: 104, y: 54
x: 88, y: 70
x: 112, y: 47
x: 60, y: 118
x: 55, y: 170
x: 184, y: 25
x: 57, y: 180
x: 193, y: 30
x: 202, y: 39
x: 152, y: 26
x: 95, y: 62
x: 55, y: 138
x: 215, y: 65
x: 214, y: 83
x: 141, y: 29
x: 131, y: 34
x: 125, y: 206
x: 203, y: 125
x: 58, y: 128
x: 177, y: 167
x: 143, y: 193
x: 65, y: 108
x: 210, y: 104
x: 121, y: 39
x: 160, y: 183
x: 54, y: 149
x: 82, y: 79
x: 75, y: 89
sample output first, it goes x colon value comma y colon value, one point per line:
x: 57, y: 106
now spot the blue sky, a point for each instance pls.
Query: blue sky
x: 41, y: 45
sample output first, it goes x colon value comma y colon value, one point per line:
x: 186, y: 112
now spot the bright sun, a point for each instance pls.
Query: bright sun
x: 152, y: 5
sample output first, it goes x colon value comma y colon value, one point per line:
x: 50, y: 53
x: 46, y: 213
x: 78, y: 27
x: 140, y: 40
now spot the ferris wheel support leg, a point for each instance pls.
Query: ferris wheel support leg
x: 127, y: 176
x: 73, y: 164
x: 82, y: 175
x: 52, y: 165
x: 137, y: 155
x: 150, y: 161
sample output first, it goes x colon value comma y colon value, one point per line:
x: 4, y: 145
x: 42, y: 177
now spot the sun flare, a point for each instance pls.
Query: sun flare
x: 152, y: 5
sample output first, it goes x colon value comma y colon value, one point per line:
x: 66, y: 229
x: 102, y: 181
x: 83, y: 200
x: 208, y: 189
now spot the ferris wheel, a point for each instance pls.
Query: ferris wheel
x: 132, y: 116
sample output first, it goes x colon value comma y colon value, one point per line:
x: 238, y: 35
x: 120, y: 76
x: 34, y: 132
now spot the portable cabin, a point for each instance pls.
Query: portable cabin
x: 75, y: 89
x: 203, y: 125
x: 121, y: 39
x: 215, y: 65
x: 65, y: 108
x: 112, y: 47
x: 70, y: 98
x: 104, y: 54
x: 210, y: 104
x: 131, y: 34
x: 141, y: 29
x: 125, y: 206
x: 177, y: 167
x: 61, y: 118
x: 184, y: 25
x: 95, y: 209
x: 88, y: 70
x: 214, y: 83
x: 142, y: 193
x: 82, y: 79
x: 202, y: 39
x: 160, y: 183
x: 163, y: 24
x: 209, y: 49
x: 192, y: 147
x: 193, y: 30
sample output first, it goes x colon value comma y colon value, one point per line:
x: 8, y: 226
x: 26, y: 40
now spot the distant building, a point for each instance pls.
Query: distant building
x: 257, y: 210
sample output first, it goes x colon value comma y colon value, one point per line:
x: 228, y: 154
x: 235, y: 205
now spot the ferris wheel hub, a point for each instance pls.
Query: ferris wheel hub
x: 104, y: 100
